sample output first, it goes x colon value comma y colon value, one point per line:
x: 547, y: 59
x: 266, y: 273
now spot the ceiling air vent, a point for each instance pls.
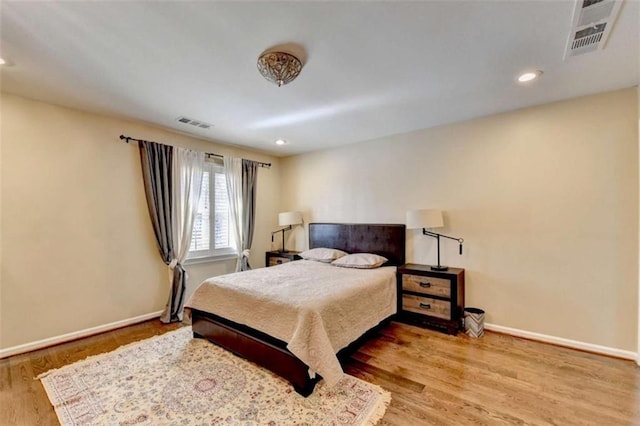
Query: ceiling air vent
x: 591, y: 26
x: 195, y: 123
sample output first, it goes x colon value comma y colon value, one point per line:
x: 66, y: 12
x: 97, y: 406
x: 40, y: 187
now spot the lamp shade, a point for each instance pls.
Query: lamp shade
x: 424, y: 219
x: 289, y: 218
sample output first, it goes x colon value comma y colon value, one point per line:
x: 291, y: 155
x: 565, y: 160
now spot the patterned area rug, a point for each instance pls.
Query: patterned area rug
x: 174, y: 379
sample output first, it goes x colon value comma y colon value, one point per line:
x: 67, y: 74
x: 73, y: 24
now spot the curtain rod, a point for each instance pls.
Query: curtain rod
x: 128, y: 139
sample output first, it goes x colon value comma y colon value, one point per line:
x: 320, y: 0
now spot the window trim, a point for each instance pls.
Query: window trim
x: 209, y: 259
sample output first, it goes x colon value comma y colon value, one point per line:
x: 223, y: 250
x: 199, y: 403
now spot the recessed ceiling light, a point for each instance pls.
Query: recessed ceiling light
x: 529, y: 76
x: 281, y: 142
x: 2, y: 61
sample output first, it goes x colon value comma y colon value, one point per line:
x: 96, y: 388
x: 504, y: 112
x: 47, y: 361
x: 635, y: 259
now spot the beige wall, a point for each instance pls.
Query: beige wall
x: 546, y: 199
x: 77, y: 245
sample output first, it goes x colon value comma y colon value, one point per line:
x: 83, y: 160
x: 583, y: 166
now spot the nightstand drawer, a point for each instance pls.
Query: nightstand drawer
x: 427, y: 306
x: 278, y: 260
x: 426, y: 285
x: 431, y: 298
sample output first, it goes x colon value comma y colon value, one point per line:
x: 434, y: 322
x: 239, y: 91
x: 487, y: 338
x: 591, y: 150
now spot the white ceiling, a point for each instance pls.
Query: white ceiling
x: 372, y: 68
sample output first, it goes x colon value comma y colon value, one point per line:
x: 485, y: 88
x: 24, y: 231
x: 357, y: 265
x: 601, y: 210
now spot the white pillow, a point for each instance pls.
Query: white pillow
x: 321, y: 254
x: 360, y: 261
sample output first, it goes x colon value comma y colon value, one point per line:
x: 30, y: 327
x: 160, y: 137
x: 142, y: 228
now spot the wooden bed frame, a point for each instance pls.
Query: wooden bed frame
x: 272, y: 353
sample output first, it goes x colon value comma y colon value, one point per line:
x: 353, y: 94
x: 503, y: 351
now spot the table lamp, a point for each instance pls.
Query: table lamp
x: 431, y: 218
x: 287, y: 219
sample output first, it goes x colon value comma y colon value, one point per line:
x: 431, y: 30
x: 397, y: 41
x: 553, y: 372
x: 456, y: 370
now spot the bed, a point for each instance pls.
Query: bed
x: 243, y: 313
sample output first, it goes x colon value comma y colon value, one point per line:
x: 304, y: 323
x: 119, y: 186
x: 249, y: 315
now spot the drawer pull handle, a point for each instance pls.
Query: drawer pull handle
x: 425, y: 306
x: 425, y: 285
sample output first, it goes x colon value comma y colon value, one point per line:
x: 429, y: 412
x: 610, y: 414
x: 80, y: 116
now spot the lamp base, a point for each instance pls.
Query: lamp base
x: 439, y: 268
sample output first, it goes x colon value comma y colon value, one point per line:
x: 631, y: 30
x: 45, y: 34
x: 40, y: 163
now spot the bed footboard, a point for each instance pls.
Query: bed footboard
x: 254, y: 346
x: 265, y: 350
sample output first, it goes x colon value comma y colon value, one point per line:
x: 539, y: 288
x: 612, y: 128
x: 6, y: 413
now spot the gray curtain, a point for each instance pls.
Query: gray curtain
x: 249, y: 190
x: 156, y: 160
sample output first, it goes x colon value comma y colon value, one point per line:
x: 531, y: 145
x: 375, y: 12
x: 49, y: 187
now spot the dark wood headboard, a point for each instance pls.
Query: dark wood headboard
x: 384, y: 240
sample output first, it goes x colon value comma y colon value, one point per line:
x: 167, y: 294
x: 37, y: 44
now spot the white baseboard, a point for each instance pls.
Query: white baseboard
x: 32, y: 346
x: 574, y: 344
x: 589, y: 347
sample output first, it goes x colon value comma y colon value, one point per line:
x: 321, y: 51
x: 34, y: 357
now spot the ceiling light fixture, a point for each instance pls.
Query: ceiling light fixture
x: 281, y: 142
x: 2, y: 61
x: 279, y: 67
x: 529, y: 76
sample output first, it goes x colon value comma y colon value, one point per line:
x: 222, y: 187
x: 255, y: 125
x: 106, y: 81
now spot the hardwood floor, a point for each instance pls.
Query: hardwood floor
x: 435, y: 379
x: 498, y: 379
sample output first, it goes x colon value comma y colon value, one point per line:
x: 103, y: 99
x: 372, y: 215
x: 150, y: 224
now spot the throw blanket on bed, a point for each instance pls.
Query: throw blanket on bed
x: 316, y: 308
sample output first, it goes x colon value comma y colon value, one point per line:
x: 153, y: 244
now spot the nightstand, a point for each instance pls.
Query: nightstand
x: 278, y: 257
x: 431, y: 298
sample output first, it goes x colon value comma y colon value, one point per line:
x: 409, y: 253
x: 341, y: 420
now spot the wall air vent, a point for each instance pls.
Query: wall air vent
x: 591, y: 26
x: 195, y: 123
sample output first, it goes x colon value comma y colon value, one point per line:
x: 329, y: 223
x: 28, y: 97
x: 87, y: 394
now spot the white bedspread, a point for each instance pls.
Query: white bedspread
x: 316, y: 308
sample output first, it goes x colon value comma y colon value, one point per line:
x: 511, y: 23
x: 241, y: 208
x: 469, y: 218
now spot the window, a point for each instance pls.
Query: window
x: 211, y: 236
